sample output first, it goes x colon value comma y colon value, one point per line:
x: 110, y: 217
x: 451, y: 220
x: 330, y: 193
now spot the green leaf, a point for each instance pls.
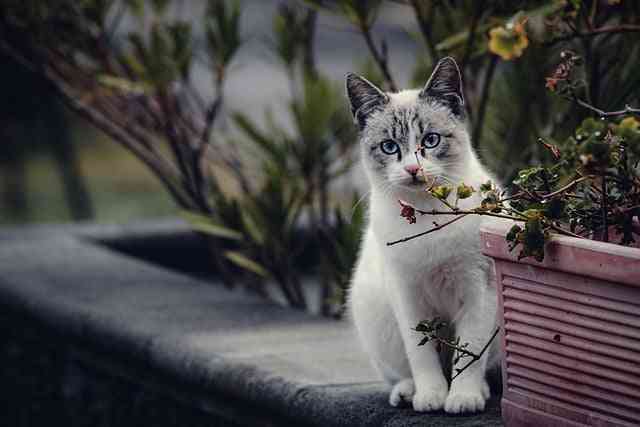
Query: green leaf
x: 441, y: 191
x: 464, y: 191
x: 512, y: 235
x: 136, y: 7
x: 207, y: 225
x: 123, y: 84
x: 267, y: 145
x: 487, y: 186
x: 222, y: 29
x: 424, y: 340
x: 251, y: 227
x: 248, y: 264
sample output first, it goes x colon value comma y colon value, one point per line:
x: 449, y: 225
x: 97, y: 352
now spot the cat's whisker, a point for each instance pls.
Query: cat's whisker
x: 357, y: 203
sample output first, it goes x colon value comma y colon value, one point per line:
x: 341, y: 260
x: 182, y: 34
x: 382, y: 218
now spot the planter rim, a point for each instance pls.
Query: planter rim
x: 607, y: 261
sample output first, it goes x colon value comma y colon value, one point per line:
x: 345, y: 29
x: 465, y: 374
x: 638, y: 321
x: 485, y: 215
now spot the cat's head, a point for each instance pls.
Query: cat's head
x: 412, y: 134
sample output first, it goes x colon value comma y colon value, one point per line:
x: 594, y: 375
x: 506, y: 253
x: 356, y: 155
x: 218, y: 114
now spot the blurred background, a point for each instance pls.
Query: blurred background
x: 232, y: 113
x: 56, y: 167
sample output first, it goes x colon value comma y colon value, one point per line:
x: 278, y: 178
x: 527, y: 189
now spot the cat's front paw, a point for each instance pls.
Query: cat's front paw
x: 430, y: 399
x: 403, y: 391
x: 459, y: 402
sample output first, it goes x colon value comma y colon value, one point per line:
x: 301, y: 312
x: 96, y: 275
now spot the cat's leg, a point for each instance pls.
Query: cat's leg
x: 381, y: 340
x: 377, y: 327
x: 430, y: 385
x: 475, y: 325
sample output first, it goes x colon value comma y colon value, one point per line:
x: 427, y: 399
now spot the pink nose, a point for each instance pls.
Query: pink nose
x: 412, y: 169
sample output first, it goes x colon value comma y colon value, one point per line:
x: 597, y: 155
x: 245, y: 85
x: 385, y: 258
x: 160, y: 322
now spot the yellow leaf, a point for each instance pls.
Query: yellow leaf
x: 509, y: 41
x: 464, y: 191
x: 248, y: 264
x: 207, y: 225
x: 630, y: 123
x: 122, y: 84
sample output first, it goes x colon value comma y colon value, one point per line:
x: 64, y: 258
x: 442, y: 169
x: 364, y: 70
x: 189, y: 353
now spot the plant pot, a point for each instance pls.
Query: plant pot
x: 571, y: 332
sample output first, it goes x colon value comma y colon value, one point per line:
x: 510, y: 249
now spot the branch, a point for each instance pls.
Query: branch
x: 478, y: 356
x: 459, y: 212
x: 627, y: 109
x: 565, y: 232
x: 436, y: 228
x: 569, y: 186
x: 605, y: 219
x: 157, y: 165
x: 610, y: 29
x: 379, y: 57
x: 475, y: 18
x: 425, y: 28
x: 484, y: 98
x: 309, y: 48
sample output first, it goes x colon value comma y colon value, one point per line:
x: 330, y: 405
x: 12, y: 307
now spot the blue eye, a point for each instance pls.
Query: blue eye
x: 389, y: 147
x: 431, y: 140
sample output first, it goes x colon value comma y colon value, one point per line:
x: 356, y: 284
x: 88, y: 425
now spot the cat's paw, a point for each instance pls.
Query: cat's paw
x: 403, y: 391
x: 459, y: 402
x: 430, y: 399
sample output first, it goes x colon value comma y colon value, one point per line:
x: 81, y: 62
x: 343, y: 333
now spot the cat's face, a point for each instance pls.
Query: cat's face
x: 414, y: 135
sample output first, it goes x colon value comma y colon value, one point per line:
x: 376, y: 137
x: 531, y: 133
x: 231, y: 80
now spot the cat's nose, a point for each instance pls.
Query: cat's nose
x: 412, y: 169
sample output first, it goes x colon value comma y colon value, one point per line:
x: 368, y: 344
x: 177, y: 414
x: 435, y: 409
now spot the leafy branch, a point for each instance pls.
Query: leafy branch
x: 431, y: 329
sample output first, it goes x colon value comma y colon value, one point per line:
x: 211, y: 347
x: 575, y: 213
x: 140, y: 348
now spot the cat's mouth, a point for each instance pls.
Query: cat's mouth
x: 419, y: 182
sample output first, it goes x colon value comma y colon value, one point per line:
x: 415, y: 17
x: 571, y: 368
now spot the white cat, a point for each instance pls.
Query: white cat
x: 441, y: 274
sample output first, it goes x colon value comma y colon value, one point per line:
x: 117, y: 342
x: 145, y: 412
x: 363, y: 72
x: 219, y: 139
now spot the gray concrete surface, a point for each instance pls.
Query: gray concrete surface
x: 280, y: 364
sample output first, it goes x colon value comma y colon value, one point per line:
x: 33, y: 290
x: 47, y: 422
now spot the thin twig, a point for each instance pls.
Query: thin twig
x: 379, y: 58
x: 425, y: 26
x: 459, y: 212
x: 475, y: 19
x: 436, y: 228
x: 605, y: 220
x: 565, y: 232
x: 478, y: 356
x: 567, y: 187
x: 611, y: 29
x: 627, y: 109
x: 484, y: 98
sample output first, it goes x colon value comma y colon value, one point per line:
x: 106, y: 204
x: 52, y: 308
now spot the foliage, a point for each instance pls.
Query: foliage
x: 508, y: 41
x: 433, y: 331
x: 291, y: 197
x: 138, y: 89
x: 592, y: 188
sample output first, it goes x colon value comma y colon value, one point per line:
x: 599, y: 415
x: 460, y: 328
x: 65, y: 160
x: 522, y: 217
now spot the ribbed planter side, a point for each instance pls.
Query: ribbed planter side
x: 571, y: 337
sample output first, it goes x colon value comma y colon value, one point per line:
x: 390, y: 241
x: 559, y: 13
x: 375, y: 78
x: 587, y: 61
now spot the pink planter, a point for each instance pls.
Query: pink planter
x: 571, y: 332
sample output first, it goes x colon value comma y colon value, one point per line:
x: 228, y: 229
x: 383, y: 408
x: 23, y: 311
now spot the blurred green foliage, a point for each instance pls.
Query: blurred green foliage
x: 140, y: 94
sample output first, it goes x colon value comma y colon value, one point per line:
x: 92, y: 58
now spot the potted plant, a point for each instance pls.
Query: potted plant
x: 570, y: 318
x: 571, y: 327
x: 569, y: 296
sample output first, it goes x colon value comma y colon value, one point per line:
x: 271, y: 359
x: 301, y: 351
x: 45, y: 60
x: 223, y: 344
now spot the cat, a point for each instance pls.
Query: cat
x: 405, y: 138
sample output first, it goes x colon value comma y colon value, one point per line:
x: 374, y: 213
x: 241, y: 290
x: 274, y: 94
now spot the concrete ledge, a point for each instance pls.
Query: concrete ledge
x: 225, y: 358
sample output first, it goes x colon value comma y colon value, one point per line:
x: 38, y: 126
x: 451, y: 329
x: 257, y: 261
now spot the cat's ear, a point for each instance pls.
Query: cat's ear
x: 445, y: 85
x: 364, y: 97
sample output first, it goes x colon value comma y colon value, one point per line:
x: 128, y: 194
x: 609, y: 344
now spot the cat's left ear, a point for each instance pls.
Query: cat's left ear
x: 445, y: 85
x: 364, y: 97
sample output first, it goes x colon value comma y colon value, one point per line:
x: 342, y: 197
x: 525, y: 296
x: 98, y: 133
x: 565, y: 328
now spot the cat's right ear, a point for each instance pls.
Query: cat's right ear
x: 364, y: 97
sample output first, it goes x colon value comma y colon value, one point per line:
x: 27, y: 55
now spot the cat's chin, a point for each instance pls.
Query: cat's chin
x: 418, y: 187
x: 410, y: 192
x: 413, y: 186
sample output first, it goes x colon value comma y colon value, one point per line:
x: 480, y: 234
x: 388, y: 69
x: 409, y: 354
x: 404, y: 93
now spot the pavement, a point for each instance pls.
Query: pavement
x: 257, y: 362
